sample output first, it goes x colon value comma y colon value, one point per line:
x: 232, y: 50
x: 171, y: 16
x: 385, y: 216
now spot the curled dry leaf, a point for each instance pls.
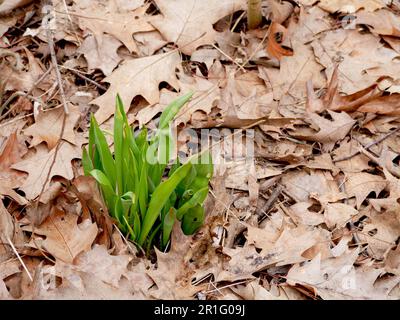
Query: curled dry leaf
x: 274, y: 47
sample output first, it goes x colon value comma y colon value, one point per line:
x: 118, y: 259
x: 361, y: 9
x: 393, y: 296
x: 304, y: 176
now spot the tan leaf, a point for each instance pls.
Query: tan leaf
x: 363, y: 59
x: 48, y: 126
x: 173, y: 273
x: 8, y: 5
x: 387, y: 105
x: 64, y: 238
x: 360, y: 184
x: 101, y: 55
x: 39, y: 164
x: 138, y: 77
x: 319, y: 185
x: 120, y: 25
x: 347, y: 6
x: 338, y: 214
x: 380, y: 231
x: 189, y: 23
x: 357, y: 163
x: 337, y: 278
x: 382, y: 22
x: 100, y: 264
x: 301, y: 211
x: 149, y: 42
x: 331, y: 131
x: 392, y: 202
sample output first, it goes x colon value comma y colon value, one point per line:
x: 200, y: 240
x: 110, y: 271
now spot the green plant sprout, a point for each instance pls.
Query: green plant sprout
x: 143, y: 193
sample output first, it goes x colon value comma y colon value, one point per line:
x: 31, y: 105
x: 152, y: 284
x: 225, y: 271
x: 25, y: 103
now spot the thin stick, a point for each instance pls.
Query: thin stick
x: 19, y: 258
x: 370, y: 145
x: 270, y: 202
x: 79, y: 74
x: 55, y: 63
x: 22, y: 94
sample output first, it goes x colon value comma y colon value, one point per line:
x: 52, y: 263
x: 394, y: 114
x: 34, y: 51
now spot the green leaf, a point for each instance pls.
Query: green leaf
x: 143, y: 190
x: 106, y: 158
x: 118, y: 144
x: 193, y: 220
x: 86, y: 162
x: 160, y: 197
x: 172, y: 109
x: 106, y: 188
x: 197, y: 198
x: 168, y: 225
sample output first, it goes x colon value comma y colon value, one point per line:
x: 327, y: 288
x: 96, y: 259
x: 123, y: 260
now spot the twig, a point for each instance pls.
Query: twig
x: 368, y: 146
x: 79, y: 74
x: 54, y: 62
x: 19, y: 258
x: 270, y: 203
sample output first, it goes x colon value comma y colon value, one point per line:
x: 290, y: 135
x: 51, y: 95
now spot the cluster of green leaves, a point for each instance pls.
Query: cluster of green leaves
x: 143, y: 192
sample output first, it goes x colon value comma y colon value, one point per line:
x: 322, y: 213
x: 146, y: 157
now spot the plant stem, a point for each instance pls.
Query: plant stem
x: 254, y: 16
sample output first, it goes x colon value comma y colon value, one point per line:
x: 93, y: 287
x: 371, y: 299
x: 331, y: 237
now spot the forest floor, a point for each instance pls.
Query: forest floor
x: 309, y: 209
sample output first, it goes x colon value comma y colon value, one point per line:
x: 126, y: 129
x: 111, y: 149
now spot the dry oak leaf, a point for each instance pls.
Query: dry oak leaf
x: 138, y: 77
x: 380, y: 231
x: 382, y: 22
x: 83, y: 286
x: 337, y: 278
x: 7, y: 5
x: 330, y: 131
x: 206, y: 96
x: 293, y: 246
x: 48, y: 124
x: 189, y: 23
x: 392, y: 202
x: 352, y: 6
x: 99, y: 263
x: 361, y: 184
x: 245, y: 96
x: 386, y: 105
x: 38, y: 166
x: 289, y: 81
x: 11, y: 153
x: 304, y: 215
x: 101, y: 55
x: 174, y: 272
x: 64, y: 237
x: 121, y: 26
x: 338, y: 214
x: 318, y: 185
x: 357, y: 163
x: 363, y: 59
